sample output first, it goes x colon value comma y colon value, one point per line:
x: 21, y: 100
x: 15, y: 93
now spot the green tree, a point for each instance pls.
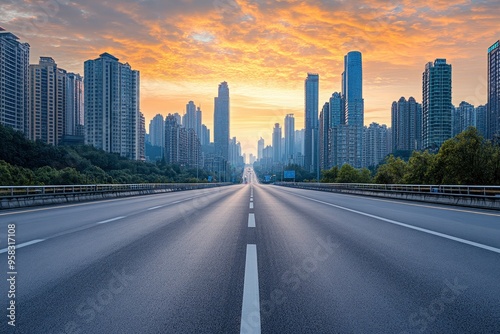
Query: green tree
x: 392, y: 171
x: 347, y: 174
x: 365, y: 176
x: 465, y: 159
x: 330, y: 176
x: 420, y: 168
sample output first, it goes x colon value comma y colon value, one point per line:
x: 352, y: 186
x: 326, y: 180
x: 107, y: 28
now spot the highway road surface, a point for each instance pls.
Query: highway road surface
x: 251, y: 258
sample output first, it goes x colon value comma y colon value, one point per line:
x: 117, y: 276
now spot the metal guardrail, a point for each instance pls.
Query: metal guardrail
x: 476, y: 191
x: 28, y: 191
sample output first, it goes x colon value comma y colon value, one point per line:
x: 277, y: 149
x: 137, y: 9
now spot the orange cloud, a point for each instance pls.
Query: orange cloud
x: 265, y: 48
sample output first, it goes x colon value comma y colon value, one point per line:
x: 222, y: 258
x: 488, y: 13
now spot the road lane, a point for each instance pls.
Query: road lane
x: 311, y: 262
x: 329, y: 270
x: 185, y: 266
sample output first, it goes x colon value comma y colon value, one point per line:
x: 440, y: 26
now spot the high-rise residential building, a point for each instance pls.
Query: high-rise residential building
x: 176, y: 141
x: 311, y: 135
x: 436, y: 104
x: 141, y: 137
x: 260, y: 148
x: 494, y: 91
x: 268, y: 153
x: 157, y: 131
x: 335, y: 120
x: 14, y: 77
x: 289, y: 138
x: 235, y: 158
x: 47, y: 101
x: 343, y: 140
x: 481, y: 120
x: 221, y: 121
x: 178, y: 118
x: 189, y: 120
x: 376, y: 148
x: 199, y: 124
x: 324, y: 128
x: 463, y: 117
x: 352, y: 91
x: 406, y: 118
x: 277, y: 158
x: 193, y: 149
x: 205, y: 135
x: 337, y: 113
x: 112, y: 106
x: 299, y: 147
x: 74, y: 114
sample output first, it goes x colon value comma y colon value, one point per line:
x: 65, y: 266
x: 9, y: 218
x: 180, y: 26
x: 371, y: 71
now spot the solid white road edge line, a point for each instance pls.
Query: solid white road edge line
x: 403, y: 202
x: 442, y: 235
x: 250, y: 311
x: 155, y: 207
x: 32, y: 242
x: 110, y: 220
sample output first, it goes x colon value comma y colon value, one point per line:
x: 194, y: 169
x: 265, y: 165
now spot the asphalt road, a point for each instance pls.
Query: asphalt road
x: 253, y: 258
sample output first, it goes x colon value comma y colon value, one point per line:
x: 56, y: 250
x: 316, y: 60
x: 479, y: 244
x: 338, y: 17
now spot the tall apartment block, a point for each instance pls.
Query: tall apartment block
x: 14, y: 65
x: 436, y: 104
x: 406, y: 118
x: 289, y: 139
x: 352, y: 86
x: 75, y: 112
x: 112, y: 106
x: 47, y: 96
x: 277, y: 143
x: 493, y: 119
x: 221, y: 121
x: 157, y: 131
x: 311, y: 135
x: 376, y: 144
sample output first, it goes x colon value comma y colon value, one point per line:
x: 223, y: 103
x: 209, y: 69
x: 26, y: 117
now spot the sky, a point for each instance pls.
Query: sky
x: 264, y: 50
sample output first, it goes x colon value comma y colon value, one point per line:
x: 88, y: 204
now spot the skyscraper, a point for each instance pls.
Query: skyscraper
x: 141, y: 137
x: 324, y: 127
x: 190, y: 116
x: 157, y: 131
x: 260, y: 148
x: 289, y: 138
x: 112, y: 106
x: 376, y: 144
x: 494, y: 91
x: 176, y: 141
x: 14, y: 77
x: 406, y: 117
x: 205, y: 135
x: 436, y: 104
x: 277, y: 143
x: 221, y: 121
x: 337, y: 114
x: 235, y: 158
x: 75, y: 114
x: 352, y: 85
x: 337, y: 155
x: 199, y: 126
x: 311, y: 148
x: 481, y: 120
x: 47, y: 96
x: 462, y: 117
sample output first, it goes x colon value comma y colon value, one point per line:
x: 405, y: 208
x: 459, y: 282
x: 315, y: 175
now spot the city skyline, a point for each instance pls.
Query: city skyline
x: 264, y: 51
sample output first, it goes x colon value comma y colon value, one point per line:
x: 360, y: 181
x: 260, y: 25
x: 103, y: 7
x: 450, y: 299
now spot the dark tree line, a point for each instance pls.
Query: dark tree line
x: 467, y: 159
x: 25, y: 162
